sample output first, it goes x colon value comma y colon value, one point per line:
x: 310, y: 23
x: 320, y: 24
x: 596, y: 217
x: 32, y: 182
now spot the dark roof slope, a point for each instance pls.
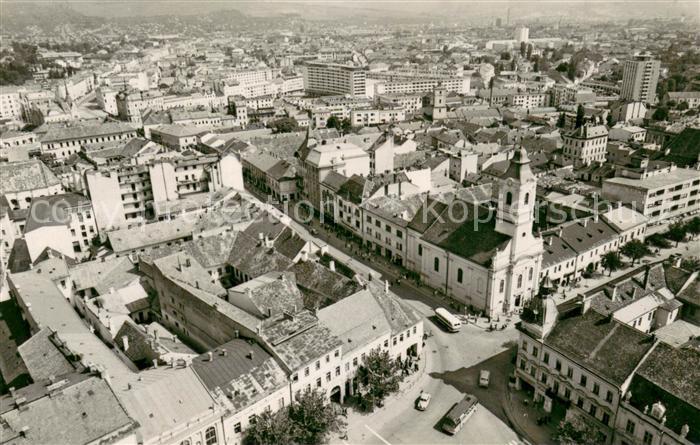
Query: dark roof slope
x: 684, y: 149
x: 604, y: 346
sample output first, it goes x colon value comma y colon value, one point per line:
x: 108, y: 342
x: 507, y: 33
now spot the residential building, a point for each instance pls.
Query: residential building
x: 64, y: 223
x: 25, y: 180
x: 639, y: 78
x: 131, y: 104
x: 692, y: 98
x: 658, y: 197
x: 62, y: 142
x: 330, y: 78
x: 585, y: 145
x: 10, y: 104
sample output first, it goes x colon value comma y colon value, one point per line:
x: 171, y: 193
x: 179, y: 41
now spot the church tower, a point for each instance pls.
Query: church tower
x: 516, y: 197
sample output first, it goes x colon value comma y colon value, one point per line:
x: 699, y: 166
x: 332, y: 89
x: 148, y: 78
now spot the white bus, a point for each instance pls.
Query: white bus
x: 451, y: 322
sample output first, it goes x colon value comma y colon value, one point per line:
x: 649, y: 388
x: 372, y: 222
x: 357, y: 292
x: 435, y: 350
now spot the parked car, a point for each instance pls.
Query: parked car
x: 484, y: 378
x: 423, y: 401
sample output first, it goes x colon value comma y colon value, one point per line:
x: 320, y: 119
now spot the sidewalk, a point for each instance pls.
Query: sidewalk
x: 523, y: 417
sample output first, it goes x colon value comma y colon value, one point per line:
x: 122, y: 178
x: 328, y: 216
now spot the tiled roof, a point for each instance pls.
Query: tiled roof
x: 54, y: 210
x: 86, y: 131
x: 82, y: 413
x: 243, y: 370
x: 25, y: 176
x: 45, y: 356
x: 604, y: 346
x: 314, y: 278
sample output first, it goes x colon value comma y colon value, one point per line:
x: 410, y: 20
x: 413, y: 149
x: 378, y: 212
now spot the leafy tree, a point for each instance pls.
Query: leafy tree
x: 576, y: 432
x: 635, y: 250
x: 682, y: 106
x: 693, y: 226
x: 505, y: 55
x: 691, y: 264
x: 658, y: 240
x: 380, y: 374
x: 333, y: 122
x: 563, y: 67
x: 536, y: 66
x: 571, y: 71
x: 580, y: 116
x: 270, y: 428
x: 523, y: 47
x: 660, y: 114
x: 284, y: 125
x: 313, y: 418
x: 609, y: 120
x: 561, y: 121
x: 676, y: 232
x: 232, y: 108
x: 529, y: 51
x: 345, y: 125
x: 611, y: 261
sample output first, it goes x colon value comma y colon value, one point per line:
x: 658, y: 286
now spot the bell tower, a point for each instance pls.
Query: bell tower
x: 516, y: 198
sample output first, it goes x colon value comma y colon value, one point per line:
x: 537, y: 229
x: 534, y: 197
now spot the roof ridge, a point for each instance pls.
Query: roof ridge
x: 603, y: 341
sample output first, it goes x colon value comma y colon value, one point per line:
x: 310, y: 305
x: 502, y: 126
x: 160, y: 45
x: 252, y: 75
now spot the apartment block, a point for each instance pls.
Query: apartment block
x: 329, y: 78
x: 639, y: 78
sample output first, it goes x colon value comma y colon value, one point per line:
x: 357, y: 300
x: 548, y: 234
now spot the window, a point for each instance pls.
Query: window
x: 596, y: 388
x: 318, y: 382
x: 237, y: 427
x: 185, y: 442
x: 460, y: 275
x: 647, y: 437
x: 535, y: 351
x: 210, y: 436
x: 318, y: 365
x: 557, y: 365
x: 420, y: 250
x: 436, y: 264
x: 524, y: 346
x: 328, y: 376
x: 583, y: 380
x: 509, y: 198
x: 630, y: 427
x: 609, y: 397
x: 520, y: 281
x: 529, y: 275
x: 592, y: 410
x: 527, y: 198
x: 306, y: 371
x: 337, y: 371
x: 606, y: 418
x: 570, y: 372
x: 502, y: 286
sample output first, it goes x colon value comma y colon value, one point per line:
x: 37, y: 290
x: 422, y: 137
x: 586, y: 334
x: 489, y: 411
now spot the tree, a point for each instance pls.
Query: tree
x: 676, y: 232
x: 284, y: 125
x: 580, y: 116
x: 611, y: 261
x: 571, y: 71
x: 313, y: 418
x: 682, y: 106
x: 691, y: 264
x: 380, y: 374
x: 635, y: 250
x: 270, y: 428
x: 576, y: 432
x: 523, y: 47
x: 563, y: 67
x: 529, y: 51
x: 609, y: 120
x: 505, y: 55
x: 345, y: 125
x: 660, y: 114
x: 232, y: 108
x: 658, y: 240
x: 561, y: 121
x: 693, y: 226
x: 333, y: 122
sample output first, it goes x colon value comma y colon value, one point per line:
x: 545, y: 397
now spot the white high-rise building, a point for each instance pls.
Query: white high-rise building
x: 522, y: 34
x: 639, y: 78
x: 330, y: 78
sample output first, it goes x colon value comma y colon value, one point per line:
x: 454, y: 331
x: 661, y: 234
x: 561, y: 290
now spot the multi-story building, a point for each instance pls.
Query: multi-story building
x: 586, y: 144
x: 318, y: 161
x: 639, y: 78
x: 25, y: 180
x: 329, y: 78
x: 63, y: 223
x: 10, y: 104
x: 528, y: 100
x: 130, y: 104
x: 584, y: 361
x: 390, y: 83
x: 412, y: 103
x: 522, y: 34
x: 692, y: 98
x: 364, y: 117
x: 176, y: 137
x: 125, y: 194
x: 60, y: 143
x: 658, y: 197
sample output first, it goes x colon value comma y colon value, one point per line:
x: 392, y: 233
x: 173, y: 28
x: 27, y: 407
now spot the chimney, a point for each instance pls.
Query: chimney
x: 250, y: 354
x: 187, y: 262
x: 155, y: 363
x: 613, y: 294
x: 595, y: 217
x: 236, y: 334
x: 331, y: 266
x: 210, y: 356
x: 585, y: 222
x: 585, y: 303
x: 550, y: 240
x: 305, y: 256
x: 386, y: 286
x: 25, y: 429
x: 261, y: 236
x: 678, y: 261
x: 111, y: 290
x: 224, y: 352
x: 172, y: 362
x: 125, y: 342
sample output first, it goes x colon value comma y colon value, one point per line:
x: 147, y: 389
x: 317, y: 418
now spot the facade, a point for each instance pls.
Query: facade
x: 60, y: 143
x: 328, y: 78
x: 585, y: 145
x: 639, y: 78
x: 10, y: 105
x: 528, y: 100
x: 364, y: 117
x: 658, y: 197
x: 64, y: 223
x: 692, y: 98
x: 131, y: 104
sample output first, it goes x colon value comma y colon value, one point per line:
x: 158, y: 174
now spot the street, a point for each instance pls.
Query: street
x: 452, y: 364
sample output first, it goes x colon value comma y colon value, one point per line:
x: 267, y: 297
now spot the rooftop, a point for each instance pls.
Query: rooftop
x: 25, y: 176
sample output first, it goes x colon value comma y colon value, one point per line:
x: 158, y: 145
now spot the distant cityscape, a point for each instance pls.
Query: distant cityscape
x: 374, y: 223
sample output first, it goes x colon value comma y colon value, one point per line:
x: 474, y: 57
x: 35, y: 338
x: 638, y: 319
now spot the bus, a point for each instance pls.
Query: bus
x: 451, y: 322
x: 457, y: 416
